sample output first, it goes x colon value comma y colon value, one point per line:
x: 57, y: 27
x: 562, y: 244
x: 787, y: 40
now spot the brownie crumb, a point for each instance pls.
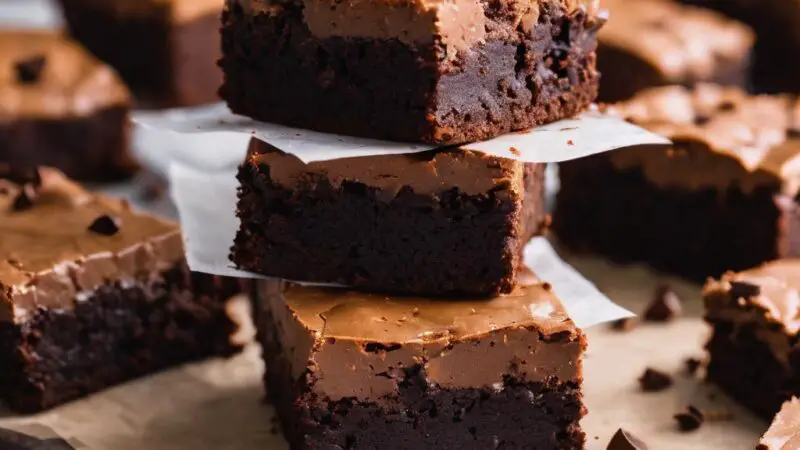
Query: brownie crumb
x: 653, y: 380
x: 690, y: 420
x: 30, y: 70
x: 626, y: 324
x: 624, y: 440
x: 666, y: 306
x: 692, y: 365
x: 514, y: 151
x: 106, y: 225
x: 741, y: 289
x: 25, y: 199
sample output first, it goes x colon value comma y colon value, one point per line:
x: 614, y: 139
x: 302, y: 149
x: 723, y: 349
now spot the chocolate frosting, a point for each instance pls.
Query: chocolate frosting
x: 784, y: 433
x: 722, y: 137
x: 683, y: 42
x: 356, y: 344
x: 176, y: 10
x: 432, y: 172
x: 71, y: 82
x: 51, y: 255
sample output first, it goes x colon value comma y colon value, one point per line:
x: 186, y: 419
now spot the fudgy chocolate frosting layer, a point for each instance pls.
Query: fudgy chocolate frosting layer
x: 433, y: 172
x: 357, y: 344
x: 457, y: 24
x: 722, y: 136
x: 784, y: 433
x: 58, y: 242
x: 45, y: 75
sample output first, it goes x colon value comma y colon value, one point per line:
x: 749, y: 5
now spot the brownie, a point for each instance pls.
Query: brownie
x: 753, y: 348
x: 93, y: 293
x: 722, y: 197
x: 777, y: 27
x: 363, y: 371
x: 650, y: 43
x: 59, y: 106
x: 784, y: 432
x: 439, y: 72
x: 438, y: 223
x: 166, y: 50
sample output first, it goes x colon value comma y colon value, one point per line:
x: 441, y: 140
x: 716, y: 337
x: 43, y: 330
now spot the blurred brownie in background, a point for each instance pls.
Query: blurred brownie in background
x: 166, y: 50
x: 650, y: 43
x: 60, y: 106
x: 722, y: 197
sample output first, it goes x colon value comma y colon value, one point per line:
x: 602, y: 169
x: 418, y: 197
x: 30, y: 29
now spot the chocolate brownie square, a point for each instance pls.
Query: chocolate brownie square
x: 93, y: 294
x: 722, y: 197
x: 439, y: 72
x: 440, y: 223
x: 166, y: 50
x: 59, y: 106
x: 784, y: 432
x: 650, y: 43
x: 753, y: 348
x: 360, y: 371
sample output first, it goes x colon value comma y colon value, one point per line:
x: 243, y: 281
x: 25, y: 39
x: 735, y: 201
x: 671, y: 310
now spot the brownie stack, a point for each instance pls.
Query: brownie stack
x: 441, y: 339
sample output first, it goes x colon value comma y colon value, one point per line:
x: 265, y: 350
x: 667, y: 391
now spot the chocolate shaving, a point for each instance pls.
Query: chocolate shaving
x: 690, y: 420
x: 106, y: 225
x: 742, y: 289
x: 665, y: 306
x: 624, y: 440
x: 25, y: 199
x: 30, y: 70
x: 626, y: 324
x: 653, y: 380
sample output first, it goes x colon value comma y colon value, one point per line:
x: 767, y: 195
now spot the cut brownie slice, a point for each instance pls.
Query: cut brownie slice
x: 784, y: 433
x: 360, y: 371
x: 59, y: 106
x: 93, y: 294
x: 449, y: 222
x: 753, y: 349
x: 166, y: 50
x: 440, y: 72
x: 650, y: 43
x: 723, y: 197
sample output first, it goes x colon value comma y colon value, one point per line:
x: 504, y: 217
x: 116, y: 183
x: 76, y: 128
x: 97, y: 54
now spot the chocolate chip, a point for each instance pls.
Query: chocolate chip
x: 106, y: 225
x: 29, y: 70
x: 626, y: 324
x: 25, y: 199
x: 624, y: 440
x: 689, y: 420
x: 692, y: 365
x: 743, y: 289
x: 665, y: 306
x: 653, y: 380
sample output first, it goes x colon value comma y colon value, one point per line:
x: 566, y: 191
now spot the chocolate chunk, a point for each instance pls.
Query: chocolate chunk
x: 106, y: 225
x: 741, y: 289
x: 690, y: 420
x: 30, y: 70
x: 25, y: 198
x: 692, y: 365
x: 653, y: 380
x: 624, y: 440
x: 665, y: 306
x: 626, y: 324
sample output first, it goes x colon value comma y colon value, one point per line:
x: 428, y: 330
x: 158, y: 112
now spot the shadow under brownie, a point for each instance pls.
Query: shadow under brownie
x: 166, y: 50
x: 362, y: 371
x: 93, y: 294
x: 61, y: 107
x: 440, y: 72
x: 723, y: 197
x: 450, y: 222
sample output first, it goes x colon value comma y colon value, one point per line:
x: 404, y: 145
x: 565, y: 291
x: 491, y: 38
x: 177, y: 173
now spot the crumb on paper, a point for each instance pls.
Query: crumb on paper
x: 569, y: 142
x: 514, y: 151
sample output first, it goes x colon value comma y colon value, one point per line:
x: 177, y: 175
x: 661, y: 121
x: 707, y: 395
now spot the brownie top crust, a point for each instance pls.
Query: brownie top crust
x: 456, y: 24
x: 427, y: 173
x: 175, y: 10
x: 683, y: 42
x: 58, y: 241
x: 45, y: 75
x: 784, y: 432
x: 360, y: 341
x: 721, y: 137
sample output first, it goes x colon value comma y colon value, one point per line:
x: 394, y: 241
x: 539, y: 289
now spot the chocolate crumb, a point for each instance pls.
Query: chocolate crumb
x: 547, y: 286
x: 569, y: 142
x: 653, y: 380
x: 741, y: 289
x: 624, y: 440
x: 30, y: 70
x: 665, y: 306
x: 106, y: 225
x: 689, y: 420
x: 514, y: 151
x: 626, y: 324
x: 692, y: 365
x: 25, y: 198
